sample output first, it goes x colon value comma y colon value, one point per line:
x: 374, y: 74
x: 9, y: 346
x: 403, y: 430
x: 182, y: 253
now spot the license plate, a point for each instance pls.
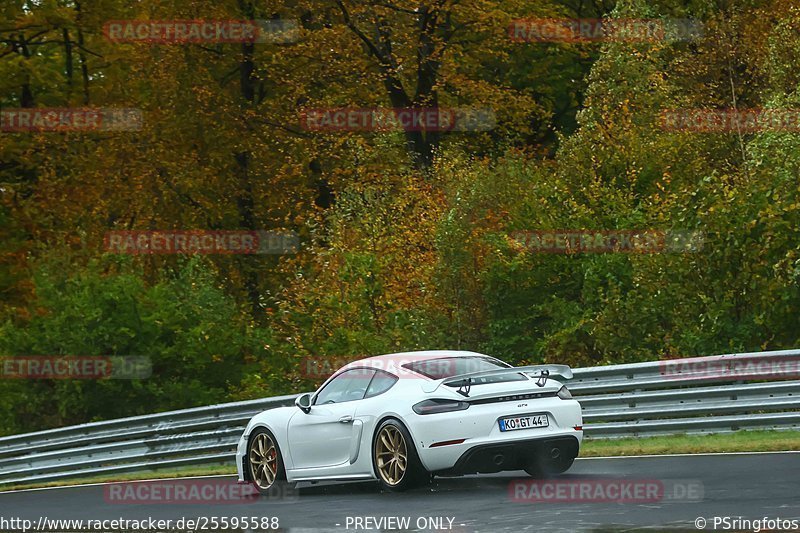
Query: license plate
x: 523, y: 422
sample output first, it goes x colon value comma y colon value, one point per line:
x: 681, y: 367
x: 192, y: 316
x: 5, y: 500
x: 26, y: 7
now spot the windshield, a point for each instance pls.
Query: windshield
x: 454, y: 366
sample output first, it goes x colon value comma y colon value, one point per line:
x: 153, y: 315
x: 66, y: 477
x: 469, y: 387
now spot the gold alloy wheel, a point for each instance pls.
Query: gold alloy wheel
x: 391, y: 455
x: 263, y: 460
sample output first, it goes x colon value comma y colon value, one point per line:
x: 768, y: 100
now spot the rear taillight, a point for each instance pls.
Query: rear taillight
x: 430, y: 407
x: 564, y: 393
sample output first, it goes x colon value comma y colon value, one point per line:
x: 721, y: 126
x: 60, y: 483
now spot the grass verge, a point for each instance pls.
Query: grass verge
x: 742, y: 441
x: 132, y: 476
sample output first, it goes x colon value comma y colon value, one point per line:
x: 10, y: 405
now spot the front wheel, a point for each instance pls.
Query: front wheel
x: 395, y: 458
x: 265, y: 462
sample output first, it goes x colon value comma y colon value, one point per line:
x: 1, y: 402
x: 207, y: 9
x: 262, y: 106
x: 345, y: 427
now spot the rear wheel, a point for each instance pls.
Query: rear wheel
x: 265, y: 463
x: 395, y: 458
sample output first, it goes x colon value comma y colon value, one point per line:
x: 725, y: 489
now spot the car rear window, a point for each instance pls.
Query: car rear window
x: 446, y: 367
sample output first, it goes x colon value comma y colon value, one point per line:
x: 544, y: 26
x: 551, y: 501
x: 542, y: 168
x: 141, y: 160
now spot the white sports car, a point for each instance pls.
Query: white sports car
x: 402, y: 418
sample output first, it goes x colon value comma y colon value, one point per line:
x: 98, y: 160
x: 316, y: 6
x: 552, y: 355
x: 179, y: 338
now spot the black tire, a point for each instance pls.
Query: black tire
x: 385, y: 443
x: 261, y: 474
x: 542, y: 467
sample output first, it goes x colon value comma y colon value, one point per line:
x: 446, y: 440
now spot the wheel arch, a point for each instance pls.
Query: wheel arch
x: 383, y: 418
x: 252, y: 430
x: 276, y: 421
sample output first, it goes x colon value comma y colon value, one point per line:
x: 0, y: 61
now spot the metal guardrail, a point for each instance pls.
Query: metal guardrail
x: 706, y: 395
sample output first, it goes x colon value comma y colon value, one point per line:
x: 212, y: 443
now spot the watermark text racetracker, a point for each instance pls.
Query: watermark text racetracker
x: 201, y: 242
x: 586, y: 241
x: 194, y: 491
x: 75, y: 367
x: 732, y: 368
x: 200, y: 523
x: 280, y: 31
x: 730, y: 120
x: 397, y: 119
x: 76, y: 119
x: 605, y: 490
x: 318, y: 368
x: 598, y: 30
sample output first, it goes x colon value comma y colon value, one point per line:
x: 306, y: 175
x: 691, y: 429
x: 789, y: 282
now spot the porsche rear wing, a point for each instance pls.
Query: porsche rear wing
x: 465, y: 380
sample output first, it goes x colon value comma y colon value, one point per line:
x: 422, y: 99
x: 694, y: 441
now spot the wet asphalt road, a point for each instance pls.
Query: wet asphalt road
x: 746, y: 486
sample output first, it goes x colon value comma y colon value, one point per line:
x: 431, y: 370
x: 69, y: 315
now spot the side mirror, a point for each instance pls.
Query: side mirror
x: 304, y: 402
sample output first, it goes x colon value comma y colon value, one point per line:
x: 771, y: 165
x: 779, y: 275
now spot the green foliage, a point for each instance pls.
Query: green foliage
x: 192, y: 332
x: 407, y: 237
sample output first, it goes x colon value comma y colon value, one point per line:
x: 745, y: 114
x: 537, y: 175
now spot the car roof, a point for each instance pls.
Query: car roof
x: 394, y: 362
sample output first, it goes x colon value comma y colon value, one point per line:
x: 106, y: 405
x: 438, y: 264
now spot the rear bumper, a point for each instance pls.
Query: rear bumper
x: 478, y: 428
x: 514, y: 455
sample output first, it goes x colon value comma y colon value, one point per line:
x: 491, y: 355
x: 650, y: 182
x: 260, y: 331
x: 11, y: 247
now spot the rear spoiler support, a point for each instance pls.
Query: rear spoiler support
x: 543, y: 378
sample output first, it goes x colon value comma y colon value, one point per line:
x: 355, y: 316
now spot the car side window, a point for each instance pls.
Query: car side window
x: 381, y: 382
x: 348, y: 386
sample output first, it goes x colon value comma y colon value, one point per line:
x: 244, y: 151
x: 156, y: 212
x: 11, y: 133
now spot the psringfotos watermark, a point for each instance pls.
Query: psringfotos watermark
x: 398, y: 119
x: 201, y: 491
x: 76, y: 367
x: 202, y: 242
x: 606, y: 490
x: 539, y: 30
x: 609, y: 241
x: 730, y: 120
x: 280, y: 31
x: 66, y: 119
x: 731, y: 368
x: 740, y: 523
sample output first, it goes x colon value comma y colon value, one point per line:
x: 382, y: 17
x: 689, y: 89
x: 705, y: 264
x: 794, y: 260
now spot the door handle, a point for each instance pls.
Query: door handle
x: 346, y: 419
